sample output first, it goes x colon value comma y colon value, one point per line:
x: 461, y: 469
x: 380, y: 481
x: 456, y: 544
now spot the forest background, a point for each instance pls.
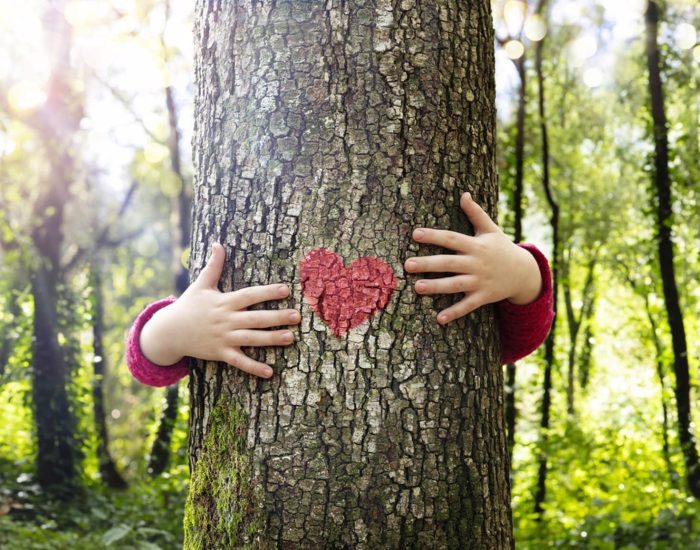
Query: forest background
x: 617, y: 474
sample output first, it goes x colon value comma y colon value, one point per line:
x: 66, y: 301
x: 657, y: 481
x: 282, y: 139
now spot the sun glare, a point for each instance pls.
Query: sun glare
x: 26, y: 96
x: 84, y: 13
x: 514, y: 15
x: 514, y: 49
x: 5, y: 64
x: 593, y: 77
x: 685, y: 36
x: 7, y: 144
x: 535, y: 28
x: 581, y: 49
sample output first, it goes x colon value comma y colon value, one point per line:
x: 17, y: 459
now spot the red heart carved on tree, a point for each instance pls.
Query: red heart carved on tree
x: 345, y: 297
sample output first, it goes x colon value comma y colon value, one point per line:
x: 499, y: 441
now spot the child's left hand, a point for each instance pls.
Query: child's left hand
x: 488, y: 267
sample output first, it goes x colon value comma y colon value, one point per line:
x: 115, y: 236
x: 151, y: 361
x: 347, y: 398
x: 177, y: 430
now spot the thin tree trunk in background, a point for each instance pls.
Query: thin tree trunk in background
x: 586, y: 360
x: 180, y: 220
x: 672, y: 474
x: 575, y: 321
x: 52, y: 412
x: 56, y: 460
x: 665, y: 247
x: 160, y: 450
x: 584, y: 371
x: 10, y: 332
x: 511, y: 410
x: 541, y: 490
x: 108, y: 471
x: 344, y: 126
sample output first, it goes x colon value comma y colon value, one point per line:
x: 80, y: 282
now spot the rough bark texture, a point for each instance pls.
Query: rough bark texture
x: 344, y: 126
x: 664, y: 241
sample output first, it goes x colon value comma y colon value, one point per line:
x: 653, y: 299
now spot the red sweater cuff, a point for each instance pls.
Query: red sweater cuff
x: 144, y: 370
x: 524, y: 327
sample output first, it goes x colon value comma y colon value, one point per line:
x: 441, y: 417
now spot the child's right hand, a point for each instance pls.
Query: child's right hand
x: 212, y: 325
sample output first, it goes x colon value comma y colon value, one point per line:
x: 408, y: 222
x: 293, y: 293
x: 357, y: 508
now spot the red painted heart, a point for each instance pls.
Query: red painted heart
x: 345, y: 297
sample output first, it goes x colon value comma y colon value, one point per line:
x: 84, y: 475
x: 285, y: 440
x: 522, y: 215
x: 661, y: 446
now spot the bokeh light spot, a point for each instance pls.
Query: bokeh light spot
x: 514, y: 49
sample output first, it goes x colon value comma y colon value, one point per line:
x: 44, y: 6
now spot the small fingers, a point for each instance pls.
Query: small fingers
x: 458, y: 242
x: 247, y: 337
x: 466, y: 305
x: 440, y: 263
x: 236, y: 358
x: 265, y: 318
x: 446, y: 285
x: 246, y: 297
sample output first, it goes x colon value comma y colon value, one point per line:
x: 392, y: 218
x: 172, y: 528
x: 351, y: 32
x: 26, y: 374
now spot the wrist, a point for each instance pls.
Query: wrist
x: 530, y: 287
x: 159, y: 341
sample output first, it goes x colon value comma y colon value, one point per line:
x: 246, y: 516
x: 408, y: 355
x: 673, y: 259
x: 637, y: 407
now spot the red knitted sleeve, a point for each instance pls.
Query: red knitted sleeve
x: 144, y: 370
x: 524, y: 327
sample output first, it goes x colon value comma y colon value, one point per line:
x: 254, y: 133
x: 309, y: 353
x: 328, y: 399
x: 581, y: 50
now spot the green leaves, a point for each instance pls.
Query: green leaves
x: 116, y: 534
x: 120, y: 535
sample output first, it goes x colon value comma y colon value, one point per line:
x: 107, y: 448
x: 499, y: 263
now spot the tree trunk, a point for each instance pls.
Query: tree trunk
x: 575, y: 319
x: 11, y: 331
x: 344, y: 126
x: 586, y: 360
x: 541, y: 489
x: 108, y: 470
x: 664, y: 223
x: 56, y: 123
x: 180, y: 226
x: 55, y: 459
x: 660, y: 370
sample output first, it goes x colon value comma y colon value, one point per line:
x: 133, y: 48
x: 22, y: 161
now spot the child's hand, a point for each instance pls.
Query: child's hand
x: 212, y: 325
x: 489, y: 267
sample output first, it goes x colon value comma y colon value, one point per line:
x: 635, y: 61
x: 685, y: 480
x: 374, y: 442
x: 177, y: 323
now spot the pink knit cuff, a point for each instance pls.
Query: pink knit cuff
x: 524, y: 327
x: 144, y: 370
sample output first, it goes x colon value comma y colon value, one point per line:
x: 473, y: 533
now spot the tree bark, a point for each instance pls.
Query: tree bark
x: 344, y: 126
x: 665, y: 247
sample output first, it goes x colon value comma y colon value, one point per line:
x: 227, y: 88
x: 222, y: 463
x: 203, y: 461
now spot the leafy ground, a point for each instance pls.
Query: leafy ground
x: 147, y: 516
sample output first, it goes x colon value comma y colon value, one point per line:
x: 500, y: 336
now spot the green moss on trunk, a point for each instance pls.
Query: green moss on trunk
x: 222, y: 505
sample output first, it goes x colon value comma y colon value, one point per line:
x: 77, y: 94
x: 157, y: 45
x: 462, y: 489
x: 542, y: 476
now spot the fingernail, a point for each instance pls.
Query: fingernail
x: 288, y: 337
x: 420, y: 286
x: 294, y: 316
x: 468, y: 195
x: 410, y: 264
x: 267, y: 372
x: 282, y: 288
x: 442, y: 318
x: 418, y: 234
